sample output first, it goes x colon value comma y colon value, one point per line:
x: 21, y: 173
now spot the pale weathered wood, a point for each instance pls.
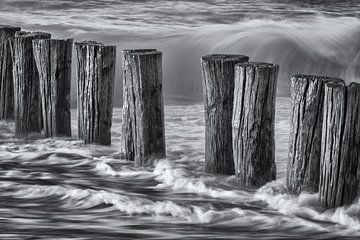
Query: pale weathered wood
x: 307, y: 97
x: 7, y: 34
x: 53, y: 60
x: 28, y: 116
x: 340, y: 145
x: 96, y: 77
x: 254, y: 123
x: 218, y: 84
x: 143, y: 128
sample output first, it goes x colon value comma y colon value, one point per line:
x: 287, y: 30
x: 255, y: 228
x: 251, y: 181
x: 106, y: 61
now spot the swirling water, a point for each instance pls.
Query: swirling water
x: 312, y: 37
x: 61, y: 189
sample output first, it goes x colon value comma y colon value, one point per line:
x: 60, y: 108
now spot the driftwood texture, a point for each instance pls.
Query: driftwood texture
x: 307, y: 97
x: 143, y: 128
x: 128, y: 109
x: 96, y: 76
x: 254, y: 123
x: 53, y: 60
x: 340, y: 153
x: 26, y: 83
x: 7, y: 34
x: 218, y: 84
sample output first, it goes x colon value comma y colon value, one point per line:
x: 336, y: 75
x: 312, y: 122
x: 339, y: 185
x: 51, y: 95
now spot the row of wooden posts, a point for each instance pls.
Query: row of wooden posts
x: 35, y: 91
x: 324, y: 143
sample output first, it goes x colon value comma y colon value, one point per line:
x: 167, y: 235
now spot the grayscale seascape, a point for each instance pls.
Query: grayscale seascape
x: 60, y: 188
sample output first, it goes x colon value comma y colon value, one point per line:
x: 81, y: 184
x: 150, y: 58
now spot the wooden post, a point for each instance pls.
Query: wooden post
x: 26, y: 83
x: 128, y: 109
x: 53, y: 60
x: 254, y: 123
x: 218, y: 83
x: 307, y: 97
x: 7, y: 34
x: 340, y: 145
x: 96, y: 76
x: 143, y: 128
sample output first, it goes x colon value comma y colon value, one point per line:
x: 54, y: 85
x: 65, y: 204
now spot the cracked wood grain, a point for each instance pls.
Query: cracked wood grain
x: 307, y: 97
x: 96, y: 76
x: 143, y: 128
x: 53, y: 61
x: 340, y: 145
x: 7, y: 34
x: 253, y: 123
x: 218, y: 84
x: 28, y: 117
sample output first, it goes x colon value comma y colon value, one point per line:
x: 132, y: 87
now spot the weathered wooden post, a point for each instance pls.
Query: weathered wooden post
x: 7, y: 34
x: 254, y: 123
x: 26, y: 83
x: 128, y: 113
x: 96, y: 76
x: 218, y: 83
x: 307, y: 97
x: 340, y: 145
x: 53, y: 60
x: 143, y: 128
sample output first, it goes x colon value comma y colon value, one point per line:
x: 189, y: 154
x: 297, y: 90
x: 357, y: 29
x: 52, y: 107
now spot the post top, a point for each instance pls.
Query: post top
x: 225, y: 57
x: 142, y: 52
x: 88, y: 42
x: 257, y: 65
x: 9, y: 28
x: 127, y: 51
x: 354, y: 88
x: 53, y: 40
x: 24, y: 34
x: 354, y: 85
x: 335, y: 84
x: 309, y: 77
x: 92, y: 43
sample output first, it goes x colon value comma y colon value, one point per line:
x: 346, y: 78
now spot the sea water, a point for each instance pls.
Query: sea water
x: 302, y: 36
x: 59, y: 188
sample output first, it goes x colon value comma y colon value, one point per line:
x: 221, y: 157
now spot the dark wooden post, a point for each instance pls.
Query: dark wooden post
x: 340, y: 145
x: 7, y: 34
x: 96, y: 76
x: 128, y: 109
x: 53, y: 60
x: 143, y: 128
x: 254, y: 123
x: 307, y: 97
x: 26, y: 83
x: 218, y: 84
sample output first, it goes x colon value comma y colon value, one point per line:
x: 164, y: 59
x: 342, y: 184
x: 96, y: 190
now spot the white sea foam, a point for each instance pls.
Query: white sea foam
x: 194, y: 214
x: 307, y: 206
x: 103, y: 168
x: 176, y: 178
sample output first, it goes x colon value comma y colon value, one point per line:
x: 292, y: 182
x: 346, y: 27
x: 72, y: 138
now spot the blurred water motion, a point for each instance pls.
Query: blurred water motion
x: 313, y: 37
x: 60, y: 189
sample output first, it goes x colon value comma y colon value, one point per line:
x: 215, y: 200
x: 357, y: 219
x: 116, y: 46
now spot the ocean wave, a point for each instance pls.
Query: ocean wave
x: 175, y: 177
x: 70, y: 198
x: 189, y: 213
x: 102, y: 167
x: 171, y: 176
x: 153, y: 14
x: 310, y: 38
x: 307, y: 206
